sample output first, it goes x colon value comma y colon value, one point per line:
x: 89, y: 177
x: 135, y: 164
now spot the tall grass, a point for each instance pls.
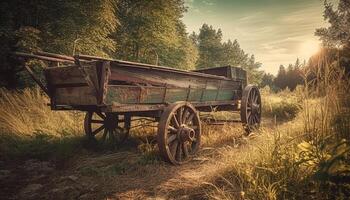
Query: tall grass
x: 29, y: 129
x: 306, y: 158
x: 284, y: 105
x: 26, y: 113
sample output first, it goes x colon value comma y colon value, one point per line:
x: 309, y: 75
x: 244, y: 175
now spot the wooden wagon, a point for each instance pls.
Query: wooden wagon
x: 113, y: 92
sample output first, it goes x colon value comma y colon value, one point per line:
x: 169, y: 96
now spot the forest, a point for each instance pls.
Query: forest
x: 300, y: 151
x: 117, y: 29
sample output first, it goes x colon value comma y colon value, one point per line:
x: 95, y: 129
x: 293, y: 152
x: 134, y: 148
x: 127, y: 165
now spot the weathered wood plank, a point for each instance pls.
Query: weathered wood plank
x: 75, y: 96
x: 123, y: 94
x: 156, y: 77
x: 70, y: 74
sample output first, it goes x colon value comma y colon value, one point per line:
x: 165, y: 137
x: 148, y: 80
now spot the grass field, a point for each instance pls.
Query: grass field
x: 300, y: 151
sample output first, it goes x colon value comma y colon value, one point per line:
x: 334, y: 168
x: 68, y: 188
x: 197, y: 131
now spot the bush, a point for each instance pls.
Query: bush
x: 280, y: 107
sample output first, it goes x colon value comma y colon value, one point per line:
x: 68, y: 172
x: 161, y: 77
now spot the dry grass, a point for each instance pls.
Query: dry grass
x: 280, y: 161
x: 29, y: 129
x: 26, y: 112
x: 306, y: 158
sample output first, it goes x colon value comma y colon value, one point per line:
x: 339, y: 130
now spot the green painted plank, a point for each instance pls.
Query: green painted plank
x: 154, y: 95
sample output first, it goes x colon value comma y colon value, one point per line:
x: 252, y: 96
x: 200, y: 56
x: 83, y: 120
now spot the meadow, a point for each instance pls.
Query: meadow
x: 300, y: 151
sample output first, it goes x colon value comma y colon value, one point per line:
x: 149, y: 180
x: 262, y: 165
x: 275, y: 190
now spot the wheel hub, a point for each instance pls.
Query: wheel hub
x: 186, y: 133
x: 111, y: 122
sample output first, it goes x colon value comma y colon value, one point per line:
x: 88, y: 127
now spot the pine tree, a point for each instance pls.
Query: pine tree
x: 152, y: 32
x: 280, y: 78
x: 209, y: 47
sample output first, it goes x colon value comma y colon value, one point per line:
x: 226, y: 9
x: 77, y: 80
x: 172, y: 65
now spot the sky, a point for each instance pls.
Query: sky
x: 275, y: 31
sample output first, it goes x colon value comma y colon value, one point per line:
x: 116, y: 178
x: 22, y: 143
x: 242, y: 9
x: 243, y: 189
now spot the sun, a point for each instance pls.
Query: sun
x: 309, y: 48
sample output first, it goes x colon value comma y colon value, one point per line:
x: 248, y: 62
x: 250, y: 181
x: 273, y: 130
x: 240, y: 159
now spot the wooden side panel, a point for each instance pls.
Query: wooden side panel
x: 176, y: 94
x: 154, y: 77
x: 75, y: 96
x: 157, y: 95
x: 195, y: 94
x: 68, y: 86
x: 239, y: 74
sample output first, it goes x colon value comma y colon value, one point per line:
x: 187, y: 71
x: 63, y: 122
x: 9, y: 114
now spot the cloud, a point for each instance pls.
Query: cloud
x: 208, y: 2
x: 275, y: 33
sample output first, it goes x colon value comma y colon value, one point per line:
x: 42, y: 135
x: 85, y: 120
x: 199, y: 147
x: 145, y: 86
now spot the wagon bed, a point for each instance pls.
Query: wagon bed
x: 120, y: 86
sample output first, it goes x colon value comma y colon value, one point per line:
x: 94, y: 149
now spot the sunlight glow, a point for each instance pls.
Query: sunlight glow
x: 309, y: 48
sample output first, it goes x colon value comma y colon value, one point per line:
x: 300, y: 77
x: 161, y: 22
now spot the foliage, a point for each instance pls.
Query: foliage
x: 290, y: 77
x: 267, y: 80
x: 338, y: 33
x: 214, y: 53
x: 55, y: 26
x: 142, y: 31
x: 336, y: 37
x: 152, y: 32
x: 209, y: 46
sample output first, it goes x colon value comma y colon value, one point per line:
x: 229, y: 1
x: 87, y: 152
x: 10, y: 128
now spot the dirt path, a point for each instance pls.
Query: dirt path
x: 127, y: 173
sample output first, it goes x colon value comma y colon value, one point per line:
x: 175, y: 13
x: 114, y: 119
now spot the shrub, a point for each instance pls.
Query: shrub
x: 281, y: 108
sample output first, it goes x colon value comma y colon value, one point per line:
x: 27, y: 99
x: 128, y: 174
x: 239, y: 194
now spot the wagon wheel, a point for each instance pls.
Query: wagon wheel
x: 107, y: 127
x: 251, y: 108
x: 179, y: 133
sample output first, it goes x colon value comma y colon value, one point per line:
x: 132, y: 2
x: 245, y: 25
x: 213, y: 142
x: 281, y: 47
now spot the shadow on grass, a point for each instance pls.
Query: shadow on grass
x: 44, y: 147
x: 40, y: 146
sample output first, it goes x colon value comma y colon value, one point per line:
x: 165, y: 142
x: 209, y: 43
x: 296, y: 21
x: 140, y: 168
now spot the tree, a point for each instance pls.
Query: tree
x: 268, y: 80
x: 214, y: 53
x: 338, y: 33
x: 54, y: 26
x: 337, y: 36
x: 281, y: 77
x: 252, y: 68
x: 233, y: 54
x: 289, y: 78
x: 209, y: 47
x: 152, y: 32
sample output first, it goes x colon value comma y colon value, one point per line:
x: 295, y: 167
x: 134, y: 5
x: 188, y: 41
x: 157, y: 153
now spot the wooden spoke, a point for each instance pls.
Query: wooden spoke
x: 256, y: 99
x: 185, y: 150
x: 178, y: 155
x: 184, y: 115
x: 172, y: 129
x: 180, y: 113
x: 176, y: 122
x: 97, y: 121
x: 112, y: 135
x: 102, y: 116
x: 98, y: 130
x: 176, y: 145
x: 103, y: 138
x: 189, y: 119
x: 114, y: 129
x: 171, y: 138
